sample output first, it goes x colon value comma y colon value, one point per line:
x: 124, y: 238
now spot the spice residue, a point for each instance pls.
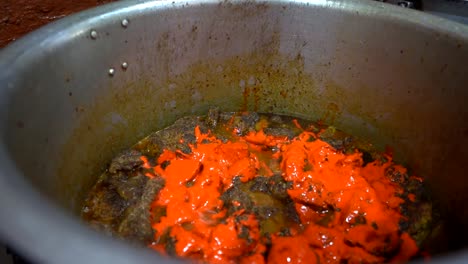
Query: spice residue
x: 347, y: 211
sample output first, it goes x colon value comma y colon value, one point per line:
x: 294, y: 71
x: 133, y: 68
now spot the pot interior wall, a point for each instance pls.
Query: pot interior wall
x: 380, y: 76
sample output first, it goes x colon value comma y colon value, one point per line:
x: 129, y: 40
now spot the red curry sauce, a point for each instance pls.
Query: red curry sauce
x: 348, y: 211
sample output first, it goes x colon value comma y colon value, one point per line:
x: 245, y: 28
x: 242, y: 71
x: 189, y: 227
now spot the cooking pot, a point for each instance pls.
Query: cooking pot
x: 79, y: 90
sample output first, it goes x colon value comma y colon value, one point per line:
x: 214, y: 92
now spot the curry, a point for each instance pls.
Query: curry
x: 261, y: 188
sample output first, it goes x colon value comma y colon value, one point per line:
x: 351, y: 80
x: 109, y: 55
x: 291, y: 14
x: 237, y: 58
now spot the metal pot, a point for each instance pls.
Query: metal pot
x: 79, y: 90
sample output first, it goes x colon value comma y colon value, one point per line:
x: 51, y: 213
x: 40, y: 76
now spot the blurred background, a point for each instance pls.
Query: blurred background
x: 18, y: 17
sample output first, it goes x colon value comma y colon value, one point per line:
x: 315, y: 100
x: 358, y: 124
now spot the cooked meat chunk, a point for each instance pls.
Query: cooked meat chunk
x: 258, y: 187
x: 128, y: 160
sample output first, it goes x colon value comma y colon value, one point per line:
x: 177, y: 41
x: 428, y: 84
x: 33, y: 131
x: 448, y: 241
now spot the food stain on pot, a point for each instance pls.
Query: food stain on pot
x: 20, y: 124
x: 331, y: 114
x: 266, y: 78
